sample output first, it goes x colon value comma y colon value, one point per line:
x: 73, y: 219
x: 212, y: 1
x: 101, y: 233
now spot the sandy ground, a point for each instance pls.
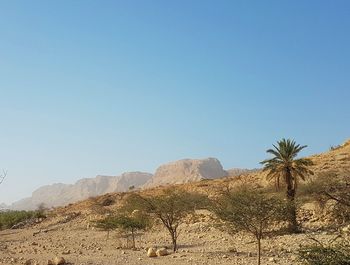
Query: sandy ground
x: 199, y: 244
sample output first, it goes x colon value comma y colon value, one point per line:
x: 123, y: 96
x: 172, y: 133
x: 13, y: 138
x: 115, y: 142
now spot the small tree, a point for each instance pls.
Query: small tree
x: 132, y: 224
x: 106, y: 224
x: 249, y: 211
x: 170, y: 207
x: 127, y: 223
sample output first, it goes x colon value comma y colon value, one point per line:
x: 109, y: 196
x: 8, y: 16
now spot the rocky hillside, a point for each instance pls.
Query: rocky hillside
x: 185, y: 171
x: 62, y: 194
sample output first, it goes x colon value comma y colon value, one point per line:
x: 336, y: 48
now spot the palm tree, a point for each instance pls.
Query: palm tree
x: 284, y: 166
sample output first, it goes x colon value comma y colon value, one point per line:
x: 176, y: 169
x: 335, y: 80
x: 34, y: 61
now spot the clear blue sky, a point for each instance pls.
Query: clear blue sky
x: 103, y: 87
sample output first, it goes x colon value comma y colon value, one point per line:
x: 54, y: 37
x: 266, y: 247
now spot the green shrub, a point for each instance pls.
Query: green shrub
x: 10, y: 218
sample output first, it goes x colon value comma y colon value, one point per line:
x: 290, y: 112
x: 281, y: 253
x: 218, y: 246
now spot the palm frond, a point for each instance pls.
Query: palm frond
x: 284, y: 160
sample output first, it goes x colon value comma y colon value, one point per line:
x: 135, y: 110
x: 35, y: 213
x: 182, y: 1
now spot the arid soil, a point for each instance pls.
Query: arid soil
x: 199, y: 242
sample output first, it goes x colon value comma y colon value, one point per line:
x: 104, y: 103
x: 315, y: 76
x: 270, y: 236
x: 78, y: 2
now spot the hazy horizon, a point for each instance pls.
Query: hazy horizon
x: 100, y: 88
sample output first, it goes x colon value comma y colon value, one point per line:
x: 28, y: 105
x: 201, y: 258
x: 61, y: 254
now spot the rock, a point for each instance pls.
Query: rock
x: 232, y: 250
x: 59, y: 261
x: 162, y: 252
x: 186, y: 170
x: 346, y: 229
x: 294, y: 257
x: 31, y: 262
x: 151, y: 252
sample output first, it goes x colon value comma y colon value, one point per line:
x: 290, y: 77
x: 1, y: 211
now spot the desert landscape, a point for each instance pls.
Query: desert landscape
x: 157, y: 132
x: 68, y: 231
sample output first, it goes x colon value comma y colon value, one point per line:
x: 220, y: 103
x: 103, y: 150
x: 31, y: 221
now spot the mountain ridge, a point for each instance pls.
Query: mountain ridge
x: 174, y: 172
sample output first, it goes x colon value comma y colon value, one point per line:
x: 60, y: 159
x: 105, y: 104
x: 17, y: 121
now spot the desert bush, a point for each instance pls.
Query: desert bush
x: 328, y: 186
x: 171, y: 207
x: 10, y: 218
x: 325, y: 254
x: 250, y: 211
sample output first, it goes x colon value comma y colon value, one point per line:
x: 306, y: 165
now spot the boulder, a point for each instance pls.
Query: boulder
x: 151, y: 252
x: 59, y: 261
x: 162, y: 252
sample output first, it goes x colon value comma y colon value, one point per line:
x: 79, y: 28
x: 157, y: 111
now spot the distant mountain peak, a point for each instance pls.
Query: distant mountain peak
x: 187, y: 170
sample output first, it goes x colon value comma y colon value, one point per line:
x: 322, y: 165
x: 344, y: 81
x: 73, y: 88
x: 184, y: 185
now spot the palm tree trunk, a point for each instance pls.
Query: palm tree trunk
x: 290, y: 186
x: 293, y: 226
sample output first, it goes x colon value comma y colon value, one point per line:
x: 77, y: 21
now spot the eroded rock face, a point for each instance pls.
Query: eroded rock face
x: 187, y: 170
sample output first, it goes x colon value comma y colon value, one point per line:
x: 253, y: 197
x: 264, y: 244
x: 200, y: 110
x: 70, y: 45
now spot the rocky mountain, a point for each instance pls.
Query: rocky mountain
x: 62, y: 194
x: 185, y: 171
x: 177, y: 172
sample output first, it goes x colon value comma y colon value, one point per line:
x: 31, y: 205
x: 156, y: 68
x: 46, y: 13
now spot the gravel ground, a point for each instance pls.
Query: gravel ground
x: 199, y: 244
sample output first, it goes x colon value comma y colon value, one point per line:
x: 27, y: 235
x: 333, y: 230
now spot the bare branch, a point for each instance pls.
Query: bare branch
x: 3, y: 176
